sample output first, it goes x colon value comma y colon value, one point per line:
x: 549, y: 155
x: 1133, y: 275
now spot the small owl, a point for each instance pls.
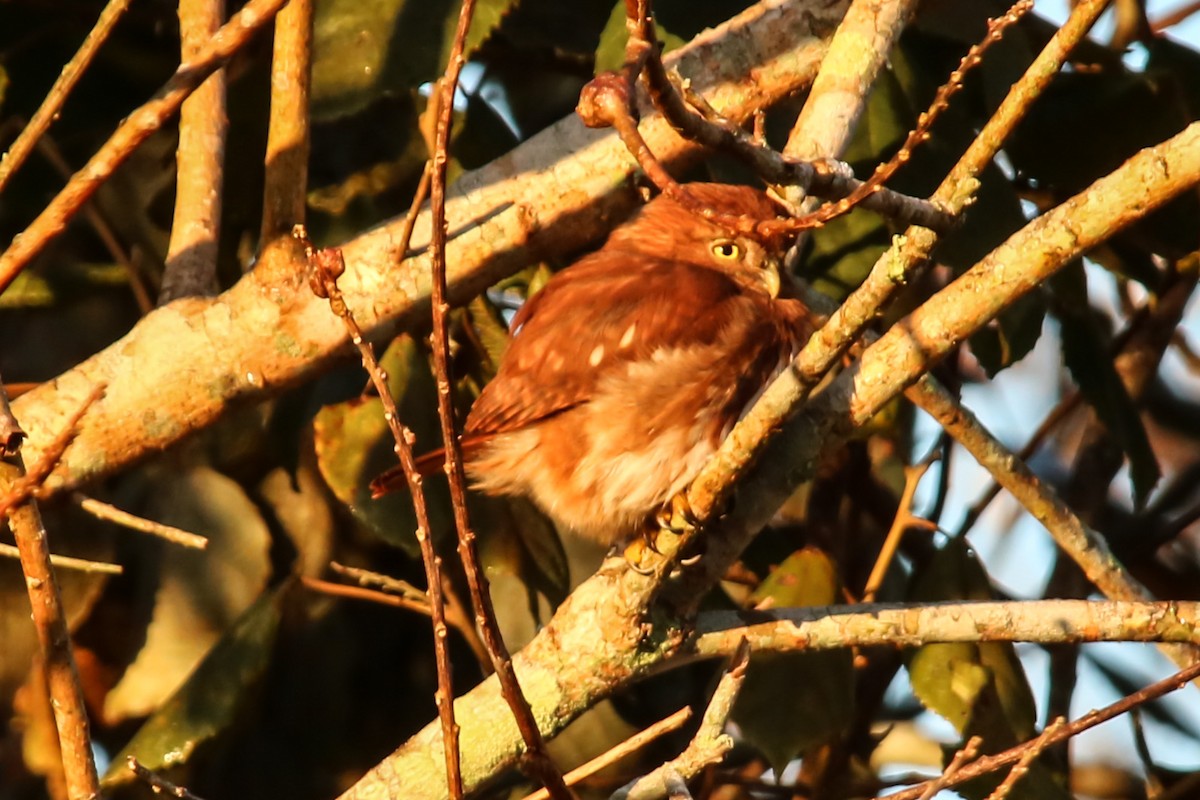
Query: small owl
x: 626, y: 371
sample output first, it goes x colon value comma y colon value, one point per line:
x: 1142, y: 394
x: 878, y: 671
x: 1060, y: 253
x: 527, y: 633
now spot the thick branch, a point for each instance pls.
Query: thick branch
x: 554, y: 193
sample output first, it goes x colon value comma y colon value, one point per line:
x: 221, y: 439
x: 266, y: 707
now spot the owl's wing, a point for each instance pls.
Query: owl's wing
x: 607, y: 310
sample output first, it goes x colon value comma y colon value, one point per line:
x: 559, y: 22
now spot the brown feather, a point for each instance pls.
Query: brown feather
x: 630, y: 366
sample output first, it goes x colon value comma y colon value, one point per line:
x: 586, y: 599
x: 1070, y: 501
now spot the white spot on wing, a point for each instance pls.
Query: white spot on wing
x: 597, y: 356
x: 627, y: 336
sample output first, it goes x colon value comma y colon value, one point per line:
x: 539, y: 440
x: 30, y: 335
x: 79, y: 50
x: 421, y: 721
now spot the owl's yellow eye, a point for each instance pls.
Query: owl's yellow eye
x: 726, y: 250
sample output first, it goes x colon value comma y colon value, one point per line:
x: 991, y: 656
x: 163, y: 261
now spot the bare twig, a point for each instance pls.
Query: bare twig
x: 536, y: 757
x: 456, y: 616
x: 708, y: 746
x: 157, y: 784
x: 1059, y: 413
x: 191, y: 265
x: 707, y: 128
x: 420, y: 606
x: 136, y: 128
x: 286, y: 177
x: 169, y: 533
x: 326, y: 266
x: 966, y: 753
x: 1021, y: 768
x: 27, y: 484
x: 631, y: 745
x: 104, y: 232
x: 610, y: 101
x: 1062, y: 733
x: 62, y: 677
x: 905, y: 519
x: 48, y: 111
x: 67, y: 562
x: 1175, y: 17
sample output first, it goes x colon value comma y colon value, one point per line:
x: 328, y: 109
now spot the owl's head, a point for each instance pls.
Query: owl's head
x: 665, y: 229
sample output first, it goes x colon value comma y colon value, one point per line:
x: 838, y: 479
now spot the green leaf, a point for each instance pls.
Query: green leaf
x: 210, y: 701
x: 1086, y: 352
x: 791, y: 702
x: 364, y: 49
x: 353, y: 445
x: 1011, y: 335
x: 197, y: 594
x: 843, y: 252
x: 981, y: 689
x: 610, y: 53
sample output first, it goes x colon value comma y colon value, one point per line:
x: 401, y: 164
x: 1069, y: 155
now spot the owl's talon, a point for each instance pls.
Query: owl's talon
x: 642, y: 556
x: 676, y: 516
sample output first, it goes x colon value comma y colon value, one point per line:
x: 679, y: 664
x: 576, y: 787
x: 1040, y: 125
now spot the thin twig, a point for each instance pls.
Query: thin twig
x: 326, y: 266
x: 456, y: 616
x: 48, y: 111
x: 111, y: 513
x: 1021, y: 768
x: 707, y: 128
x: 708, y: 746
x: 104, y: 232
x: 536, y: 757
x: 904, y: 519
x: 631, y: 745
x: 191, y: 264
x: 966, y: 753
x: 1059, y: 413
x: 1091, y: 719
x: 158, y: 785
x: 136, y: 128
x: 1172, y: 18
x: 68, y: 562
x: 642, y: 52
x: 49, y: 619
x: 27, y: 484
x: 420, y: 606
x: 858, y: 50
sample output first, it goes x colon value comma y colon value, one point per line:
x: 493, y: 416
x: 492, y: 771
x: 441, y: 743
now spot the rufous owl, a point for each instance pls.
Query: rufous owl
x: 628, y: 369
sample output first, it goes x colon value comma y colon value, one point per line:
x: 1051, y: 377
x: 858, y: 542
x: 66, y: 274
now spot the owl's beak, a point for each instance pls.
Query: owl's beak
x: 770, y: 277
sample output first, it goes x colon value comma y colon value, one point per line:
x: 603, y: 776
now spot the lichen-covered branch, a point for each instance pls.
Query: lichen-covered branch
x: 551, y: 194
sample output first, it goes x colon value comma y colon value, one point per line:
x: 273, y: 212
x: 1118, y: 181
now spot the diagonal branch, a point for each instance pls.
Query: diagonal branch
x: 552, y: 194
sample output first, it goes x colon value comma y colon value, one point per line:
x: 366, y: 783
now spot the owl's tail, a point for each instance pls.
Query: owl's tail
x: 393, y: 480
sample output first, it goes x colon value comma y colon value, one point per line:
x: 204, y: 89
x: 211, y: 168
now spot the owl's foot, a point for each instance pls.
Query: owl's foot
x: 676, y: 516
x: 641, y: 555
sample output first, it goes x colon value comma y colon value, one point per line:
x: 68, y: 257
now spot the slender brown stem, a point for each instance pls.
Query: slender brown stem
x: 157, y: 784
x: 49, y: 619
x: 67, y: 562
x: 48, y: 111
x: 631, y: 745
x: 536, y: 757
x: 170, y: 533
x: 136, y: 128
x: 1061, y: 733
x: 327, y: 266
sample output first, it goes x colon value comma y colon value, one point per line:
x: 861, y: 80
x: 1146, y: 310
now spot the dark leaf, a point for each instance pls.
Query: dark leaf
x: 1087, y: 354
x: 211, y: 699
x: 791, y: 702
